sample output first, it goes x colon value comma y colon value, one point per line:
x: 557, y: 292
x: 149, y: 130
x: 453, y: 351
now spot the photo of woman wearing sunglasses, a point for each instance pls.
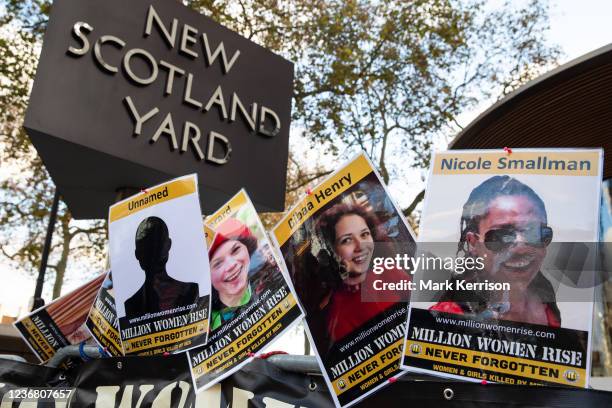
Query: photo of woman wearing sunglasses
x: 504, y: 222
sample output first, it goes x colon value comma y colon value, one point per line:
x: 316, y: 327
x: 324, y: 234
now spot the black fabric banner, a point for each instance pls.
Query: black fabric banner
x: 163, y: 382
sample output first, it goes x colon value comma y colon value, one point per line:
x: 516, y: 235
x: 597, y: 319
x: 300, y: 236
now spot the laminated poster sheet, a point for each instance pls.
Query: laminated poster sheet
x: 252, y: 303
x: 161, y: 276
x: 60, y: 323
x: 333, y: 243
x: 513, y: 302
x: 102, y: 319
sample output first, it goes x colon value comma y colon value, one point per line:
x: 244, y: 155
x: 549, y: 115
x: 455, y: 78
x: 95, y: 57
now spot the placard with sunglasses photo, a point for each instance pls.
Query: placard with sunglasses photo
x: 515, y: 305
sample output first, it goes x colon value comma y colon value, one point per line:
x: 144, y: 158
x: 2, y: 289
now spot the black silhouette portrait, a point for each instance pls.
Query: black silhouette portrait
x: 159, y: 291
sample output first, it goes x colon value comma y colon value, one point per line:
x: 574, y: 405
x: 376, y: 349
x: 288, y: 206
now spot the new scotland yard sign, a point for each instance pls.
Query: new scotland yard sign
x: 128, y: 94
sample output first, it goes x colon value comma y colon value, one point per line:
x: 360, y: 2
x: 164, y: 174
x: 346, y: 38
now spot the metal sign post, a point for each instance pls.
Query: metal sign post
x: 38, y: 301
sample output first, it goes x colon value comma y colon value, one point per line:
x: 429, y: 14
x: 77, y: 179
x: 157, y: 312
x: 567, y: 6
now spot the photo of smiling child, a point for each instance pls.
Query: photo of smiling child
x: 252, y: 304
x: 513, y: 316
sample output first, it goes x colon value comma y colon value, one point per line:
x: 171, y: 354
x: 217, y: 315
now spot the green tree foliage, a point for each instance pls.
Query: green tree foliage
x: 386, y: 77
x: 26, y: 191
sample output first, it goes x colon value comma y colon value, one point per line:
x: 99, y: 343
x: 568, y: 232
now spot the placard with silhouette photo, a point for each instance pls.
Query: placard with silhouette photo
x: 332, y: 242
x: 524, y: 225
x: 252, y: 303
x: 160, y: 269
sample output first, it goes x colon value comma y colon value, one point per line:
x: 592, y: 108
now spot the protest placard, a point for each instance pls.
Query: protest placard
x: 102, y: 319
x: 331, y: 241
x: 515, y: 305
x: 160, y: 269
x: 61, y: 322
x: 252, y: 303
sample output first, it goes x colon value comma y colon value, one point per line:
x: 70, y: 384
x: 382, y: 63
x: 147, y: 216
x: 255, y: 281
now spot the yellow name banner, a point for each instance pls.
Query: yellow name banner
x: 226, y: 210
x: 368, y: 368
x: 249, y: 337
x: 518, y: 367
x: 105, y: 328
x: 165, y: 337
x: 38, y: 341
x: 321, y: 195
x: 560, y: 163
x: 149, y: 198
x: 209, y: 234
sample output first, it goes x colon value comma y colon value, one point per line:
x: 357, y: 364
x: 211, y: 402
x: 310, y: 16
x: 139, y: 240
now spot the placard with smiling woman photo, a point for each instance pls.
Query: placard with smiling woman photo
x: 329, y: 242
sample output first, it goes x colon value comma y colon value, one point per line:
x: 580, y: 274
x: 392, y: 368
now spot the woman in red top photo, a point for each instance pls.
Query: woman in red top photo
x: 504, y: 222
x: 350, y: 233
